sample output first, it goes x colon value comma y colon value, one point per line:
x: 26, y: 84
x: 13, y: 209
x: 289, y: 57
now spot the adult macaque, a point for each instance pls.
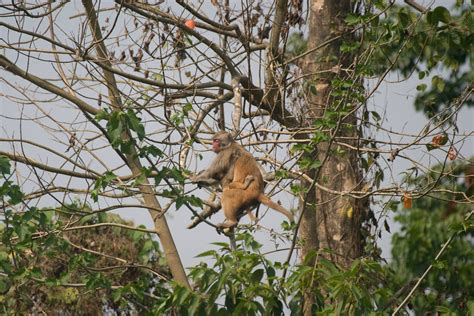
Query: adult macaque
x: 242, y: 182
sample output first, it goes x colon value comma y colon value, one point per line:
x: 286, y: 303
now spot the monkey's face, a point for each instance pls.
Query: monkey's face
x: 220, y: 141
x: 216, y: 145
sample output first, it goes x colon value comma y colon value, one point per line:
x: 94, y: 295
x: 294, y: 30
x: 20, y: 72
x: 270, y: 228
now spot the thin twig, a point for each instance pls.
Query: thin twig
x: 440, y: 253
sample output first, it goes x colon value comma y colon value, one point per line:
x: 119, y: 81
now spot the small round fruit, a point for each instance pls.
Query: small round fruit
x: 190, y: 24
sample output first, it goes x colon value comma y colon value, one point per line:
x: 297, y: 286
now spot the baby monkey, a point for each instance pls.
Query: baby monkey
x: 239, y: 175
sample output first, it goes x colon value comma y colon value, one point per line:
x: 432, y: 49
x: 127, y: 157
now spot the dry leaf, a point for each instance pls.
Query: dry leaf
x: 439, y: 140
x: 452, y: 153
x: 350, y: 212
x: 407, y: 201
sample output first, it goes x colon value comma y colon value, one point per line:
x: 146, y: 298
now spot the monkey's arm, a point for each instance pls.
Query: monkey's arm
x: 214, y: 174
x: 205, y: 178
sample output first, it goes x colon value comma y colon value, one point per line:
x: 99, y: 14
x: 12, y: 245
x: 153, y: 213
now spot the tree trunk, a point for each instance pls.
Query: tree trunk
x: 161, y: 225
x: 331, y: 221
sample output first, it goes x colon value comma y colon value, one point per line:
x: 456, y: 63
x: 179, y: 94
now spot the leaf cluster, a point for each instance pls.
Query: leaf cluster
x: 425, y: 44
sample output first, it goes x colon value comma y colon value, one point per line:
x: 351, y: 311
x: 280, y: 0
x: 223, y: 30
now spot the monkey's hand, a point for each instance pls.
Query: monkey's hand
x: 202, y: 180
x: 197, y: 178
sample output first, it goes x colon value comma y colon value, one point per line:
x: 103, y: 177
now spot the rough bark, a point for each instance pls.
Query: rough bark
x: 330, y: 221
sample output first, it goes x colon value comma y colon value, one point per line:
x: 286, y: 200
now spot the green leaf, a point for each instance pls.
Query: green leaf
x: 151, y: 150
x: 209, y: 253
x: 15, y: 194
x: 108, y: 177
x: 315, y: 164
x: 352, y: 19
x: 102, y: 183
x: 147, y: 246
x: 126, y: 147
x: 439, y: 14
x: 4, y: 165
x: 22, y: 232
x: 421, y: 87
x: 95, y: 195
x: 441, y: 264
x: 375, y: 115
x: 102, y: 217
x: 180, y: 201
x: 135, y: 124
x: 115, y: 128
x: 470, y: 307
x: 157, y: 77
x: 117, y: 294
x: 5, y: 284
x: 270, y: 272
x: 443, y: 310
x: 177, y: 118
x: 257, y: 275
x: 195, y: 201
x: 305, y: 162
x: 140, y: 179
x: 137, y: 235
x: 187, y: 108
x: 348, y: 47
x: 456, y: 227
x: 102, y: 115
x: 221, y: 244
x: 180, y: 294
x: 442, y: 14
x: 438, y: 83
x: 403, y: 18
x: 5, y: 262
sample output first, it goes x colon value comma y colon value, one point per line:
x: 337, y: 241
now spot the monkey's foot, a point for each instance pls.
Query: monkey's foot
x: 249, y: 179
x: 223, y: 230
x: 228, y: 225
x: 226, y: 228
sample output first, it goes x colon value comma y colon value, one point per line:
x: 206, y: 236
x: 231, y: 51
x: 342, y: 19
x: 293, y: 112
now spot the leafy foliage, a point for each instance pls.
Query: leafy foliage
x: 424, y: 229
x: 441, y: 40
x: 88, y: 267
x: 244, y: 282
x: 77, y: 271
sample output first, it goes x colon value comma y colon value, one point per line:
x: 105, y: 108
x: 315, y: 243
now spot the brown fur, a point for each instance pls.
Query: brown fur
x: 242, y: 182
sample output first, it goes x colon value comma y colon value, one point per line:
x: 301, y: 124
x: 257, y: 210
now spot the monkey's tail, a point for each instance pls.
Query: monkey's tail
x: 262, y: 198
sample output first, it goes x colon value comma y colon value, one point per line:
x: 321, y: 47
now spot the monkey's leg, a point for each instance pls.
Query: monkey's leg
x: 249, y: 213
x: 227, y: 224
x: 242, y: 186
x: 252, y: 217
x: 248, y: 180
x: 231, y: 202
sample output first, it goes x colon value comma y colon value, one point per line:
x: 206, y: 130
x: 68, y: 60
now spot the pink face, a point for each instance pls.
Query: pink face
x: 216, y: 145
